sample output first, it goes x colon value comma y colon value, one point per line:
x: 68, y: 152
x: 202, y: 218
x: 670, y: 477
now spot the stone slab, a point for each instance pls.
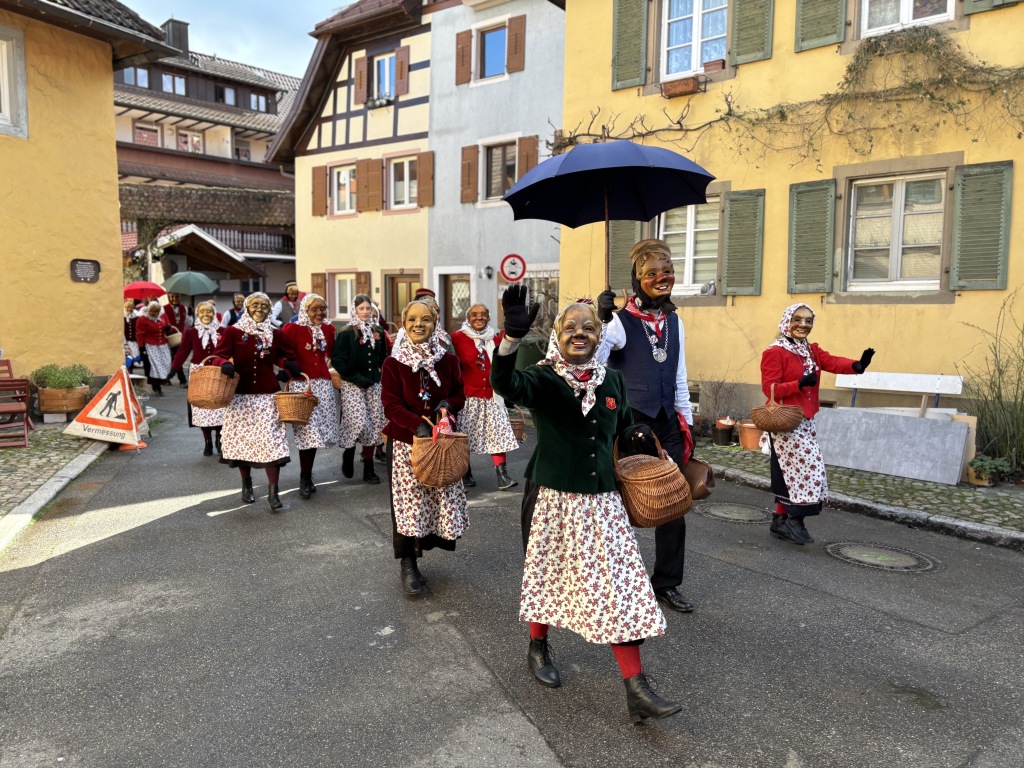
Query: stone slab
x: 901, y: 446
x: 55, y: 418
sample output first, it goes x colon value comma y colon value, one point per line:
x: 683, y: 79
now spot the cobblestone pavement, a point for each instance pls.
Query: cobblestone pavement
x: 24, y: 470
x: 1001, y: 506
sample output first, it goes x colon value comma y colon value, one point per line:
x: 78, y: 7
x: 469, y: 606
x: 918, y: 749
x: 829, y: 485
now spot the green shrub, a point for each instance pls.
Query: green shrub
x: 990, y: 466
x: 55, y: 376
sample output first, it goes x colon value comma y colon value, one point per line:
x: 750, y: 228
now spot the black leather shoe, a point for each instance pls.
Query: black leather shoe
x: 412, y: 581
x: 777, y: 525
x: 248, y: 496
x: 543, y: 668
x: 642, y: 702
x: 208, y: 448
x: 348, y: 467
x: 674, y: 600
x: 467, y: 479
x: 780, y: 530
x: 217, y: 441
x: 305, y: 486
x: 505, y: 483
x: 369, y: 474
x: 379, y: 456
x: 272, y: 498
x: 797, y: 531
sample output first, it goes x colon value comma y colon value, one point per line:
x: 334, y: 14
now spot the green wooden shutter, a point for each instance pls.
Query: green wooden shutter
x: 751, y: 31
x: 743, y: 244
x: 981, y: 226
x: 629, y: 44
x: 820, y: 22
x: 623, y: 235
x: 812, y: 208
x: 977, y: 6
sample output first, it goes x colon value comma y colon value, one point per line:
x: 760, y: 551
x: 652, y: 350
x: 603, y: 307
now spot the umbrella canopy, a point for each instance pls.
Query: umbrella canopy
x: 142, y: 289
x: 190, y: 284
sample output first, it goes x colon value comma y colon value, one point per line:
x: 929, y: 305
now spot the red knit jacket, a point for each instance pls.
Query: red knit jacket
x: 312, y: 362
x: 400, y: 394
x: 256, y: 373
x: 784, y: 369
x: 190, y: 343
x: 149, y: 332
x: 477, y: 379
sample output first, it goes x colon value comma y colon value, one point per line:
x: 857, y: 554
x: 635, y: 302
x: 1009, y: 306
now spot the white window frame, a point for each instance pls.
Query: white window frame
x: 479, y: 52
x: 484, y: 167
x: 343, y: 295
x: 412, y: 193
x: 190, y: 134
x: 387, y: 62
x: 896, y: 236
x: 137, y: 75
x: 685, y: 262
x: 176, y: 80
x: 13, y: 84
x: 906, y: 11
x: 257, y: 102
x: 337, y: 210
x: 476, y: 77
x: 697, y: 39
x: 230, y: 95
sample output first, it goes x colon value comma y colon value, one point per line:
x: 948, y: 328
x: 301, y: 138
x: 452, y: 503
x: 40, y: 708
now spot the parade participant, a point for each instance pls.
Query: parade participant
x: 131, y: 343
x: 797, y: 469
x: 358, y: 356
x: 646, y: 342
x: 311, y: 339
x: 429, y: 297
x: 237, y: 309
x: 199, y: 341
x: 485, y: 418
x: 287, y: 307
x: 176, y: 316
x: 253, y: 435
x: 151, y: 331
x: 583, y: 570
x: 420, y: 380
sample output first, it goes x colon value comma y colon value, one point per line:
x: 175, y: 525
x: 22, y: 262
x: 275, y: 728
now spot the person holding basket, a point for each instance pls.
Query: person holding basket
x: 583, y: 570
x: 199, y: 341
x: 421, y: 384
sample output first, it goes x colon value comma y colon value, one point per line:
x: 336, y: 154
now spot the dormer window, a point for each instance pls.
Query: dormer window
x: 258, y: 102
x: 137, y: 76
x: 174, y: 84
x: 224, y: 94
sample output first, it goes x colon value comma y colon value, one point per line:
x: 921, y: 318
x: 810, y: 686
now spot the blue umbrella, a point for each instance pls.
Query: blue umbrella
x: 616, y: 180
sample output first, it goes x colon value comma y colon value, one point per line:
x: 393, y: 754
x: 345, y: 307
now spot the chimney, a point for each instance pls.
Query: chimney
x: 177, y: 34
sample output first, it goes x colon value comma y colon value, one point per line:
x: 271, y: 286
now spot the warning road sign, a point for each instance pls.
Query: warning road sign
x: 113, y: 415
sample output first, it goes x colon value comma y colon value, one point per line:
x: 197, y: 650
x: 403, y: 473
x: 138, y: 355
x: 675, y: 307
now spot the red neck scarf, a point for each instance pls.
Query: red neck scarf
x: 635, y: 311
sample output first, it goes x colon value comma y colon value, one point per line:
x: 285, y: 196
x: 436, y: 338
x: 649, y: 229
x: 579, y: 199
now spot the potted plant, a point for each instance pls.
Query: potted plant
x: 986, y: 470
x: 61, y: 388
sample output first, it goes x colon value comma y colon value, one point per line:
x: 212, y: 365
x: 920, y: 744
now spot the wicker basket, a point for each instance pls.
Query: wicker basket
x: 209, y: 388
x: 335, y: 378
x: 653, y: 490
x: 296, y: 407
x: 774, y: 417
x: 518, y: 423
x: 441, y: 459
x: 174, y: 339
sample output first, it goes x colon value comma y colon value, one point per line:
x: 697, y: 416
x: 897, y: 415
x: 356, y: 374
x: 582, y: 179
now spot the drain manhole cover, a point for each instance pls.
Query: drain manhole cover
x: 882, y: 556
x: 736, y: 513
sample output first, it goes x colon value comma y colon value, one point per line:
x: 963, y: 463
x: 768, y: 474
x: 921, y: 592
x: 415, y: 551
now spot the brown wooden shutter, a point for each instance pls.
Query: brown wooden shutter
x: 402, y: 71
x: 374, y: 185
x: 320, y: 190
x: 361, y: 86
x: 470, y: 158
x: 526, y: 155
x: 515, y: 53
x: 463, y: 57
x: 363, y: 282
x: 318, y: 284
x: 425, y: 179
x: 362, y: 185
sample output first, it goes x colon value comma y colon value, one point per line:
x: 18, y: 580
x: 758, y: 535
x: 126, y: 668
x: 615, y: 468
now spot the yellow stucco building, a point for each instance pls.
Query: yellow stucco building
x: 59, y: 188
x: 865, y: 165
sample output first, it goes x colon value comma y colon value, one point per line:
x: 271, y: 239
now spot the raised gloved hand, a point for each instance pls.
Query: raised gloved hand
x: 865, y: 360
x: 605, y: 306
x: 228, y: 370
x: 424, y: 430
x: 808, y: 380
x: 518, y: 319
x: 293, y: 368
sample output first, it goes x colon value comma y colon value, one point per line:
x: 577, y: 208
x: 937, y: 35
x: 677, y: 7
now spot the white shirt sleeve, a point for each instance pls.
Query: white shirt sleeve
x: 614, y: 339
x: 275, y: 315
x: 507, y: 346
x: 682, y: 387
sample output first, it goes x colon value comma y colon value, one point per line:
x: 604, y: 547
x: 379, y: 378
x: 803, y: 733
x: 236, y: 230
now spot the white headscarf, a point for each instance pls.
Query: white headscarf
x: 207, y: 332
x: 798, y: 347
x: 484, y: 339
x: 319, y: 341
x: 419, y: 356
x: 364, y: 327
x: 583, y: 379
x: 264, y: 331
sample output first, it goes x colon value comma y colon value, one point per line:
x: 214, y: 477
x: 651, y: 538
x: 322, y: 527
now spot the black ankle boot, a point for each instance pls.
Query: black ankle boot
x: 467, y: 479
x: 504, y: 481
x: 219, y: 451
x: 248, y: 496
x: 369, y: 474
x: 778, y: 524
x: 412, y: 581
x: 797, y: 530
x: 543, y: 668
x: 305, y: 486
x: 272, y: 498
x: 208, y: 448
x: 348, y: 467
x: 379, y: 456
x: 642, y: 702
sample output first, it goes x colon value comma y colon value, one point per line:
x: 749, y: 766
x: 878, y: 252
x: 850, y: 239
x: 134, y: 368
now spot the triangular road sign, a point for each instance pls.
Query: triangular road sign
x: 113, y: 415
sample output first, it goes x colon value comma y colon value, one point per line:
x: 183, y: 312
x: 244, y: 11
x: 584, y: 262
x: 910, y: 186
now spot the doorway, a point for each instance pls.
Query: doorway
x: 456, y: 301
x: 400, y: 292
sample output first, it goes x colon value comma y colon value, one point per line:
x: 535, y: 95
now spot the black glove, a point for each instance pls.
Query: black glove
x: 605, y: 306
x: 518, y: 318
x: 283, y: 376
x: 228, y: 370
x: 167, y: 330
x: 424, y: 430
x: 865, y: 360
x: 808, y: 380
x: 293, y: 368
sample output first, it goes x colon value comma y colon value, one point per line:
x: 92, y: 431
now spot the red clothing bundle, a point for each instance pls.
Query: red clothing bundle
x: 400, y: 393
x: 476, y: 369
x: 254, y: 366
x: 149, y: 332
x: 784, y: 369
x: 312, y: 362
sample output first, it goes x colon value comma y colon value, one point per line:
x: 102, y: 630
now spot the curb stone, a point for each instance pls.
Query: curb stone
x: 964, y: 529
x: 18, y: 518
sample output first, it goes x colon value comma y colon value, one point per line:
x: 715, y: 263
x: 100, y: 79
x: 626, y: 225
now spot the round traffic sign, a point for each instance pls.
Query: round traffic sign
x: 513, y: 268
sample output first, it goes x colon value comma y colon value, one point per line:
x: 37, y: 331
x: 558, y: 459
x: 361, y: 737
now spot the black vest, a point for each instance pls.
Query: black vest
x: 650, y: 385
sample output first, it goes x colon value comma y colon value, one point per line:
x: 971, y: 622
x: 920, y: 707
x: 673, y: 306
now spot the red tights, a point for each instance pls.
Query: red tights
x: 273, y: 472
x: 628, y: 656
x: 498, y: 459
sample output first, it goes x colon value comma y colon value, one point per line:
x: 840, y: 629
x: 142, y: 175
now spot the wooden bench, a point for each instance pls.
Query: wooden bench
x: 924, y: 384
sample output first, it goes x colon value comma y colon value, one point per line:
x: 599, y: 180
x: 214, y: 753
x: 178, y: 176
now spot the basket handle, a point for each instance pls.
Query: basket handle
x: 309, y: 385
x: 615, y: 453
x: 771, y: 397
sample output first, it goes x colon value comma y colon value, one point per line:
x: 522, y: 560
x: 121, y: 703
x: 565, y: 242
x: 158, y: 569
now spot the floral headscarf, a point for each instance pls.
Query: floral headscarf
x: 207, y: 331
x: 798, y: 347
x: 264, y: 332
x: 365, y: 327
x: 419, y: 356
x: 583, y: 379
x: 319, y: 342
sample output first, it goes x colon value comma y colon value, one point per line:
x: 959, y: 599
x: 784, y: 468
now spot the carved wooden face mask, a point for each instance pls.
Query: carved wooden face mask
x: 578, y: 335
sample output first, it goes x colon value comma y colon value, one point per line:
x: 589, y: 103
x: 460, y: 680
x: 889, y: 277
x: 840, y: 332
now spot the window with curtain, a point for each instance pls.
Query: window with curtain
x: 693, y: 32
x: 880, y: 16
x: 402, y: 183
x: 501, y: 169
x: 692, y: 234
x: 343, y: 189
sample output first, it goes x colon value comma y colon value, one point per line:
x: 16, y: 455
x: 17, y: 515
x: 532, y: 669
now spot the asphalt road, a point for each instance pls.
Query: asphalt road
x: 150, y: 619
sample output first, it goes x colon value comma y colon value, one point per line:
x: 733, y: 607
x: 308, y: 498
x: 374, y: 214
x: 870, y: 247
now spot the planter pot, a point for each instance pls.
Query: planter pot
x: 723, y: 436
x: 750, y: 435
x: 974, y: 478
x: 62, y: 400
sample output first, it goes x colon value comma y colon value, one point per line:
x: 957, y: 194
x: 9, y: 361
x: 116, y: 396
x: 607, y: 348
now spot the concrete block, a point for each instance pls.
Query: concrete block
x: 55, y: 418
x: 901, y: 446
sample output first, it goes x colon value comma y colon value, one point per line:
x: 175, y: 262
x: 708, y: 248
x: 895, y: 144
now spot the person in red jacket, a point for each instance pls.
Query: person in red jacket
x: 176, y: 316
x: 253, y: 435
x: 312, y: 342
x: 420, y: 380
x: 485, y: 418
x: 792, y: 365
x: 151, y: 332
x: 199, y: 341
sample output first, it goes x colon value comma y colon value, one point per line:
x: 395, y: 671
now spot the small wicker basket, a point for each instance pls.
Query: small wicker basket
x: 209, y: 388
x: 174, y: 339
x: 775, y: 417
x: 441, y: 459
x: 653, y: 490
x: 296, y: 407
x: 518, y: 423
x: 335, y: 378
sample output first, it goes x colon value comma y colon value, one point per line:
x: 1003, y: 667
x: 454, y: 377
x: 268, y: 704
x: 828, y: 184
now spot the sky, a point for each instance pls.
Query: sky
x: 273, y: 34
